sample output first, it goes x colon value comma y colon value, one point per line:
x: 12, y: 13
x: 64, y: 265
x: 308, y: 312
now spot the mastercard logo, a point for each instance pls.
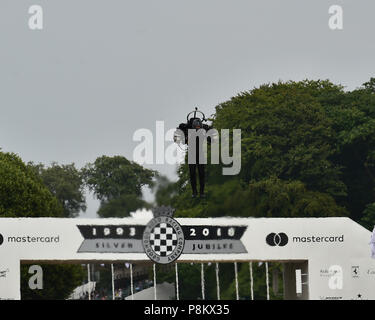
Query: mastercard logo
x: 277, y: 239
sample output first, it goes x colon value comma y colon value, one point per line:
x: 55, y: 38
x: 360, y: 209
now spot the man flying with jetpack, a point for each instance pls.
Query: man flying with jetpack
x: 194, y: 122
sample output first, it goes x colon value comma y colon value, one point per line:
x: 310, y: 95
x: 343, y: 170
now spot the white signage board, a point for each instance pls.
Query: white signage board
x: 337, y: 249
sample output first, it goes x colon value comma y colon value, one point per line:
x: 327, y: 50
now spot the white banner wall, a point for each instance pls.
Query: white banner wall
x: 337, y: 249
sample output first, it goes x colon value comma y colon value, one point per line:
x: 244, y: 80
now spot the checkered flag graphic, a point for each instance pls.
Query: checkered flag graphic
x: 163, y: 239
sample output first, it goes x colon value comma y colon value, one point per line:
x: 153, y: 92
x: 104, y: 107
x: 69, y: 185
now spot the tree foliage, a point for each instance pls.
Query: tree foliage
x: 122, y: 206
x: 22, y: 194
x: 164, y: 190
x: 59, y: 280
x: 117, y: 183
x: 307, y: 150
x: 66, y: 183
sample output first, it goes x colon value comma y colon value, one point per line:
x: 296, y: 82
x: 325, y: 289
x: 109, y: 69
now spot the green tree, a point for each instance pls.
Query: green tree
x: 164, y: 191
x: 354, y: 124
x: 58, y: 281
x: 117, y: 183
x: 368, y: 219
x: 121, y: 206
x: 308, y: 150
x: 66, y: 183
x: 23, y: 194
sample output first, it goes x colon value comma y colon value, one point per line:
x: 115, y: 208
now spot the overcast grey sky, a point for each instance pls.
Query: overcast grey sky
x: 99, y: 70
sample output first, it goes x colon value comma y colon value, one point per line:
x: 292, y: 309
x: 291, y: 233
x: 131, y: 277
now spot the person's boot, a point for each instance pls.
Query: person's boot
x: 195, y: 193
x: 201, y: 192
